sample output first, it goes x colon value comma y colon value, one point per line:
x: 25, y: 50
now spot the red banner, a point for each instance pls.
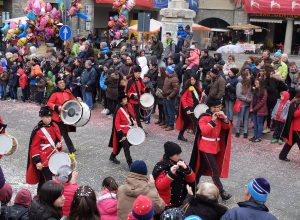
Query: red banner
x: 140, y: 3
x: 277, y: 7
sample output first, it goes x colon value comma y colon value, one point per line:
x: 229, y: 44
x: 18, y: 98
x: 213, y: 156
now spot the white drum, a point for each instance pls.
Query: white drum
x: 58, y: 160
x: 75, y: 113
x: 200, y: 109
x: 136, y: 136
x: 8, y: 144
x: 147, y: 101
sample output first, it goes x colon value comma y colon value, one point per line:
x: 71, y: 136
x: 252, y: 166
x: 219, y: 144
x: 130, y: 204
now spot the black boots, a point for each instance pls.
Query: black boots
x: 225, y: 195
x: 181, y: 138
x: 113, y: 159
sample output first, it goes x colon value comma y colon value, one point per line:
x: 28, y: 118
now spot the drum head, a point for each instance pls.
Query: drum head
x: 72, y: 113
x: 136, y: 136
x: 200, y: 109
x: 147, y: 100
x: 58, y: 160
x: 6, y: 143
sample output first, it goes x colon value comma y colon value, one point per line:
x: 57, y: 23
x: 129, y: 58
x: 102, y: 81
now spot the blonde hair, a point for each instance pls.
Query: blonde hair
x: 209, y: 190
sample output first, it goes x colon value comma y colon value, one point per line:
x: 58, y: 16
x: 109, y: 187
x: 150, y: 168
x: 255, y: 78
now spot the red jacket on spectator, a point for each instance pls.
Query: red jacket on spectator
x: 23, y: 80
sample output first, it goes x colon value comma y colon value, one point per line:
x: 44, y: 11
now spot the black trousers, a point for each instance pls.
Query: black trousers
x: 161, y: 113
x: 286, y: 148
x: 45, y: 175
x: 25, y: 93
x: 136, y: 108
x: 126, y: 147
x: 208, y: 161
x: 39, y: 97
x: 278, y: 129
x: 111, y: 105
x: 188, y: 119
x: 64, y: 132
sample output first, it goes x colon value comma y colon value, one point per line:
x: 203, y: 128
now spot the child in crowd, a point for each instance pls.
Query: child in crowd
x: 50, y: 83
x: 107, y: 202
x: 3, y: 83
x: 181, y: 35
x: 103, y: 88
x: 23, y: 82
x: 279, y: 115
x: 40, y: 88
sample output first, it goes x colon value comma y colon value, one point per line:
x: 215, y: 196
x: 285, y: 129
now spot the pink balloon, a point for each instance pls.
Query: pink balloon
x: 48, y: 7
x: 12, y: 25
x: 117, y: 35
x: 36, y: 8
x: 44, y: 20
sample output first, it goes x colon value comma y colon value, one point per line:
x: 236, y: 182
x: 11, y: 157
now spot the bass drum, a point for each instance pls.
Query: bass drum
x: 200, y: 109
x: 58, y: 160
x: 8, y: 144
x: 147, y: 101
x: 75, y: 113
x: 136, y: 136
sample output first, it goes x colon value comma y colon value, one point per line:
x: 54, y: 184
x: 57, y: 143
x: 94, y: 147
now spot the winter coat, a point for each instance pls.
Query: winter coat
x: 117, y: 66
x: 142, y: 62
x: 135, y: 185
x: 15, y: 212
x: 260, y: 105
x: 248, y: 211
x: 281, y: 108
x: 157, y: 49
x: 36, y: 70
x: 102, y: 81
x: 273, y: 87
x: 227, y: 67
x: 41, y: 84
x: 112, y: 83
x: 218, y: 59
x: 13, y: 80
x: 169, y: 49
x: 23, y: 79
x: 171, y: 86
x: 206, y: 63
x: 39, y: 211
x: 230, y: 91
x: 245, y: 97
x: 88, y: 78
x: 217, y: 87
x: 194, y: 57
x: 281, y: 68
x: 125, y: 70
x: 3, y: 78
x: 107, y: 205
x: 159, y: 86
x: 205, y: 208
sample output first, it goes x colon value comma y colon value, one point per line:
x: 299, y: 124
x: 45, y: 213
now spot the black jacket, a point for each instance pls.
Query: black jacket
x: 15, y: 212
x: 206, y: 63
x: 39, y: 211
x: 205, y: 208
x: 274, y: 87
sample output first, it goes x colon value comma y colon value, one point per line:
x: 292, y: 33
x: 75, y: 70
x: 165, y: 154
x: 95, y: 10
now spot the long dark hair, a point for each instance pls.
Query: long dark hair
x: 246, y: 83
x: 261, y: 90
x: 110, y: 184
x: 84, y: 205
x: 49, y: 192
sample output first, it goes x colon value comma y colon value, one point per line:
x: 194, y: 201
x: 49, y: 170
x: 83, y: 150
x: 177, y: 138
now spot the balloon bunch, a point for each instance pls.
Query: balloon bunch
x: 41, y: 23
x: 118, y: 23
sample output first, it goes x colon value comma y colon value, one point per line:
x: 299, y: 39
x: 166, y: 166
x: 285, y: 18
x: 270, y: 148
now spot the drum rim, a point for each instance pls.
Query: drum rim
x: 11, y: 141
x: 81, y: 117
x: 200, y: 104
x: 137, y: 128
x: 73, y: 100
x: 69, y: 159
x: 149, y: 95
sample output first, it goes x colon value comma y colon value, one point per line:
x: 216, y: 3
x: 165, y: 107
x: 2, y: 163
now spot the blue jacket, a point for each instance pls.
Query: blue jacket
x: 102, y: 81
x: 248, y: 211
x: 284, y: 111
x: 105, y: 50
x: 230, y: 91
x: 88, y: 78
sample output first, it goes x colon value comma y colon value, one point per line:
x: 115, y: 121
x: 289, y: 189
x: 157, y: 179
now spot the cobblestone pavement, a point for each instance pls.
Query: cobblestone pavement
x: 248, y: 160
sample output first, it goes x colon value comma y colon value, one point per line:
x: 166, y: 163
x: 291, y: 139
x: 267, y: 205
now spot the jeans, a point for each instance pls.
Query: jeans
x: 2, y: 90
x: 88, y: 98
x: 258, y: 125
x: 39, y: 97
x: 170, y: 111
x: 278, y: 129
x: 13, y: 92
x: 229, y: 109
x: 243, y: 114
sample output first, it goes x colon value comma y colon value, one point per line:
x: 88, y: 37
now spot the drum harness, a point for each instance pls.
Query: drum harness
x: 128, y: 119
x: 49, y: 138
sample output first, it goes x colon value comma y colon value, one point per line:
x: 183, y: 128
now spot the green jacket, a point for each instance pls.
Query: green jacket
x: 282, y: 69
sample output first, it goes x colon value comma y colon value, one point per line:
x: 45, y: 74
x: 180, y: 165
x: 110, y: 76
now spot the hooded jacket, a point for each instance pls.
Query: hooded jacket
x: 194, y: 57
x: 107, y: 205
x: 218, y: 59
x: 23, y: 79
x: 281, y: 108
x: 135, y: 185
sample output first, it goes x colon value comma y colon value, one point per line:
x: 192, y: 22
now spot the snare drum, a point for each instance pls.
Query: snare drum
x: 147, y: 101
x: 136, y: 136
x: 200, y: 109
x: 75, y: 113
x: 58, y: 160
x: 8, y: 144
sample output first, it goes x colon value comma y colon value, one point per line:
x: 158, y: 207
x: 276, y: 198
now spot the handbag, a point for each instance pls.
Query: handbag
x: 159, y: 93
x: 237, y: 106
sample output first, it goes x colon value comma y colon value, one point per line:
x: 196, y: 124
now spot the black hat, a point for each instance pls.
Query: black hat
x: 45, y: 111
x: 171, y: 149
x: 59, y: 79
x: 213, y: 102
x: 215, y: 71
x: 188, y: 27
x: 121, y: 96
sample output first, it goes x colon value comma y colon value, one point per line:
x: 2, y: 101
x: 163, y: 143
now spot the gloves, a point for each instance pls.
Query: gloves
x: 120, y: 134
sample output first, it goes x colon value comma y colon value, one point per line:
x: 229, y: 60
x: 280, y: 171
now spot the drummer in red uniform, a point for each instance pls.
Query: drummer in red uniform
x: 135, y: 88
x: 57, y: 98
x: 188, y: 101
x: 45, y: 138
x: 123, y: 119
x: 211, y: 151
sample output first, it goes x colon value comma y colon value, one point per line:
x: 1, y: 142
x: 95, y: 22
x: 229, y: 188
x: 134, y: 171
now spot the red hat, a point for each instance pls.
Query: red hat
x: 23, y: 197
x: 5, y: 193
x: 142, y: 208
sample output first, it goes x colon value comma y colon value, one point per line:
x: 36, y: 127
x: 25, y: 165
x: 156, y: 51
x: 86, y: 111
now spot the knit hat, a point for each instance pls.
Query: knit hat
x: 259, y: 188
x: 192, y: 217
x: 45, y: 111
x: 213, y: 102
x: 139, y: 167
x: 173, y: 213
x: 5, y: 193
x: 180, y: 25
x: 235, y: 71
x: 170, y: 69
x: 23, y: 197
x: 142, y: 208
x: 278, y: 53
x: 63, y: 173
x: 58, y: 79
x: 171, y: 149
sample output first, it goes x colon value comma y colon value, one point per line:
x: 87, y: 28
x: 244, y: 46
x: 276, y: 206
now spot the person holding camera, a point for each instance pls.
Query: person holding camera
x: 211, y: 151
x: 172, y: 175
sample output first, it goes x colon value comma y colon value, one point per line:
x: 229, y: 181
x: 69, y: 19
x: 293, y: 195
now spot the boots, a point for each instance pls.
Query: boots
x: 113, y: 159
x: 225, y: 195
x: 181, y: 138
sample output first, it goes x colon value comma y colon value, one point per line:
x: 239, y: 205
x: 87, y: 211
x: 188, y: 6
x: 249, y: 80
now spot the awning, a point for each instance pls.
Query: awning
x: 244, y: 27
x: 266, y: 20
x: 198, y: 27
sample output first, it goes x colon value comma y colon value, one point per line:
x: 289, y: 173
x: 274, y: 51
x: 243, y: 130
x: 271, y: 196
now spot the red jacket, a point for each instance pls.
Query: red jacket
x: 23, y: 80
x: 69, y: 191
x: 131, y: 90
x: 107, y: 205
x: 56, y: 99
x: 296, y: 120
x: 121, y: 122
x: 261, y: 107
x: 210, y: 129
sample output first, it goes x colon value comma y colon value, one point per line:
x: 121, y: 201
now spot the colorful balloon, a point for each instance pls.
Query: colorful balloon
x: 82, y: 15
x: 23, y: 34
x: 5, y: 27
x: 31, y: 16
x: 48, y: 7
x: 12, y: 25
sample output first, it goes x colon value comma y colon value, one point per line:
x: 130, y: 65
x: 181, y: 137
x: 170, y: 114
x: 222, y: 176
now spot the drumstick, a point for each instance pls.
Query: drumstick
x: 52, y: 152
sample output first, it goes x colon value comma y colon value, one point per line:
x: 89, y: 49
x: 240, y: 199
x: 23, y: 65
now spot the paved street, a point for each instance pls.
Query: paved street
x: 248, y: 160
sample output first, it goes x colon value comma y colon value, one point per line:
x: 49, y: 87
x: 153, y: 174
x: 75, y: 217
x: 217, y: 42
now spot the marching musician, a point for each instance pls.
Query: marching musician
x: 123, y: 119
x: 211, y: 151
x: 45, y: 140
x: 135, y: 88
x: 188, y: 101
x: 2, y: 126
x: 57, y: 98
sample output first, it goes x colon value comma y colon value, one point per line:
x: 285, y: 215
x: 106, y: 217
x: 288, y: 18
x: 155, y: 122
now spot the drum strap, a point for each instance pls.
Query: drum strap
x: 126, y: 115
x: 137, y: 89
x: 196, y: 94
x: 49, y: 138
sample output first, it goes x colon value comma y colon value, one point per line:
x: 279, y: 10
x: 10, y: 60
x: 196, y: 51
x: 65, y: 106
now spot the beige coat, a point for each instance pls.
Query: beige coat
x: 134, y: 186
